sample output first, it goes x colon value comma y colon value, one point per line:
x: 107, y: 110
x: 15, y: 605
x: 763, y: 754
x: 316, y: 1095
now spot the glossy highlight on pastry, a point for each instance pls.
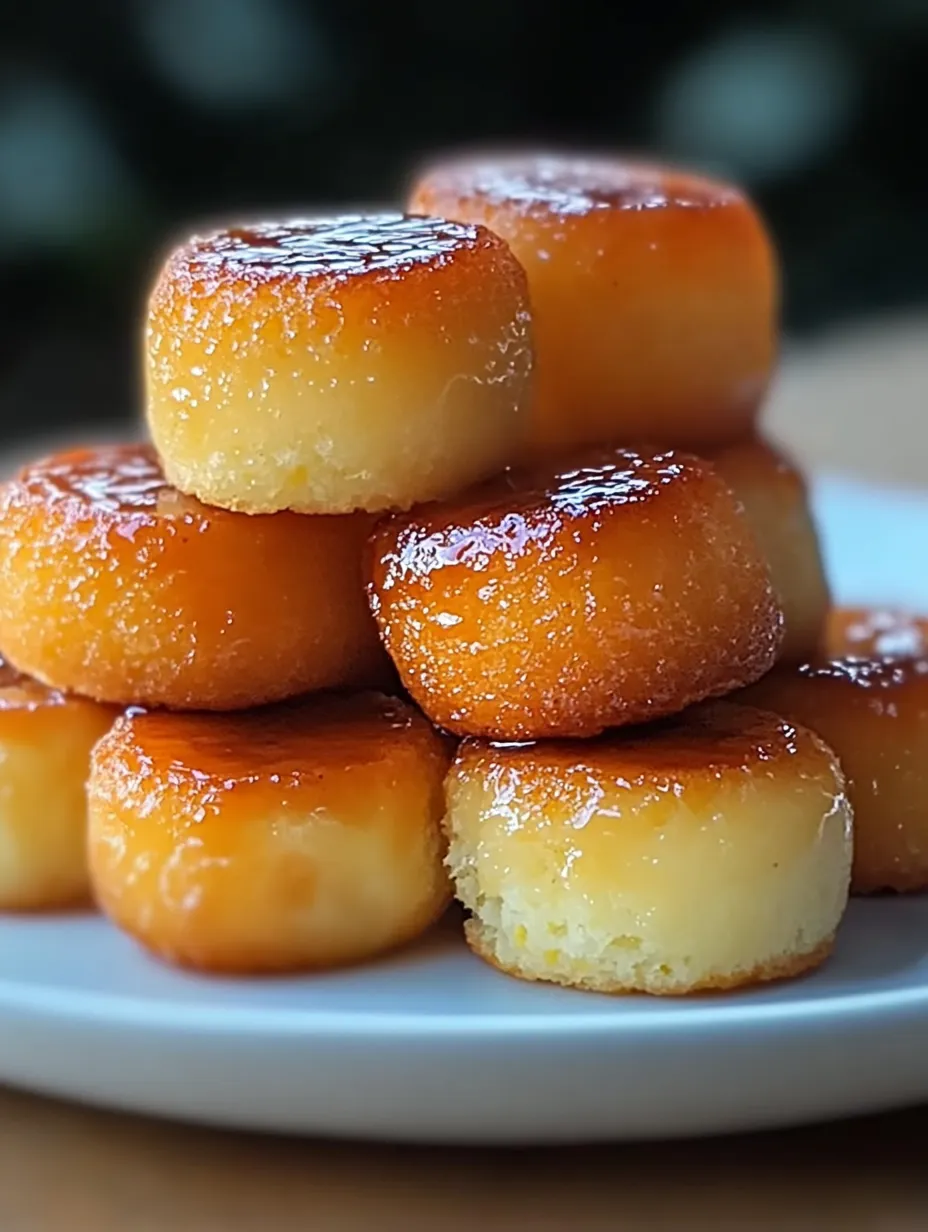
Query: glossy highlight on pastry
x: 561, y: 600
x: 299, y: 837
x: 875, y: 632
x: 115, y: 585
x: 331, y: 364
x: 710, y: 852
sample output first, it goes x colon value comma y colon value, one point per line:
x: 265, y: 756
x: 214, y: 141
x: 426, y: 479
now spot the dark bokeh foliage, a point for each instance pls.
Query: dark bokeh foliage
x: 122, y: 123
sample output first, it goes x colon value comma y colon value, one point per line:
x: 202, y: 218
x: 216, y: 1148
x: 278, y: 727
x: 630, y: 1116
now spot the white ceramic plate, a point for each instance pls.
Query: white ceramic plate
x: 432, y: 1045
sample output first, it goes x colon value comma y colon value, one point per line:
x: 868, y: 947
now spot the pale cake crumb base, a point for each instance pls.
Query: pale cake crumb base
x: 781, y: 967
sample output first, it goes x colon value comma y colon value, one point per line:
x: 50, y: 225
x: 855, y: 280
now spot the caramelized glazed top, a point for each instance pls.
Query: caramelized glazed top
x: 571, y: 185
x: 529, y: 505
x: 599, y: 479
x: 288, y: 743
x: 712, y: 740
x: 114, y: 478
x: 111, y: 480
x: 344, y: 246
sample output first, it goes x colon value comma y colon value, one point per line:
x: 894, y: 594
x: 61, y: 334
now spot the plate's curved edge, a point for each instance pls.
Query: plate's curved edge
x: 168, y: 1002
x: 175, y: 1018
x: 842, y: 1041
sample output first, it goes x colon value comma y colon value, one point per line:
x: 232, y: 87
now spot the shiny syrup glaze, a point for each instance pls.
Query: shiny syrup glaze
x: 520, y: 507
x: 567, y: 185
x: 877, y: 632
x: 281, y: 744
x: 344, y: 246
x: 714, y: 738
x: 622, y: 478
x: 113, y: 478
x: 866, y: 673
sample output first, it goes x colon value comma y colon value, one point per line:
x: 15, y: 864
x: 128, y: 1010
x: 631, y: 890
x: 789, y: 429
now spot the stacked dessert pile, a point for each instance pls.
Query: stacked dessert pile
x: 455, y: 529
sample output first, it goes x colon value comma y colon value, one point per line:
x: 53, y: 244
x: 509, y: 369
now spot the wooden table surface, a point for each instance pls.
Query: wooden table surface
x: 856, y: 402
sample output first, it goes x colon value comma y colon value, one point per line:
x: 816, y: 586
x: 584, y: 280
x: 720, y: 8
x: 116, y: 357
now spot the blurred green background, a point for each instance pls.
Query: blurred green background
x: 124, y: 124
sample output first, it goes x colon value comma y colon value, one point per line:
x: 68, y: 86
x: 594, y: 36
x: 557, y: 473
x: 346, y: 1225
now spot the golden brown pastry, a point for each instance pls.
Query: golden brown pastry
x: 45, y: 743
x: 654, y: 293
x: 709, y: 852
x: 775, y: 499
x: 874, y: 714
x: 566, y: 599
x: 114, y: 585
x: 330, y: 364
x: 306, y: 835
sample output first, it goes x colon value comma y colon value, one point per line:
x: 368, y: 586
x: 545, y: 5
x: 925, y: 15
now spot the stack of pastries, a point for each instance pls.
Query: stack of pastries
x: 456, y: 565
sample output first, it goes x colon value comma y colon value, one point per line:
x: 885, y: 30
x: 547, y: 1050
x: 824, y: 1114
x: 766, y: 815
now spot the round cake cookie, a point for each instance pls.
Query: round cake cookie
x: 559, y: 601
x: 878, y: 633
x: 45, y: 743
x: 114, y: 585
x: 775, y: 499
x: 330, y: 364
x: 654, y: 293
x: 874, y: 714
x: 305, y: 835
x: 709, y: 852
